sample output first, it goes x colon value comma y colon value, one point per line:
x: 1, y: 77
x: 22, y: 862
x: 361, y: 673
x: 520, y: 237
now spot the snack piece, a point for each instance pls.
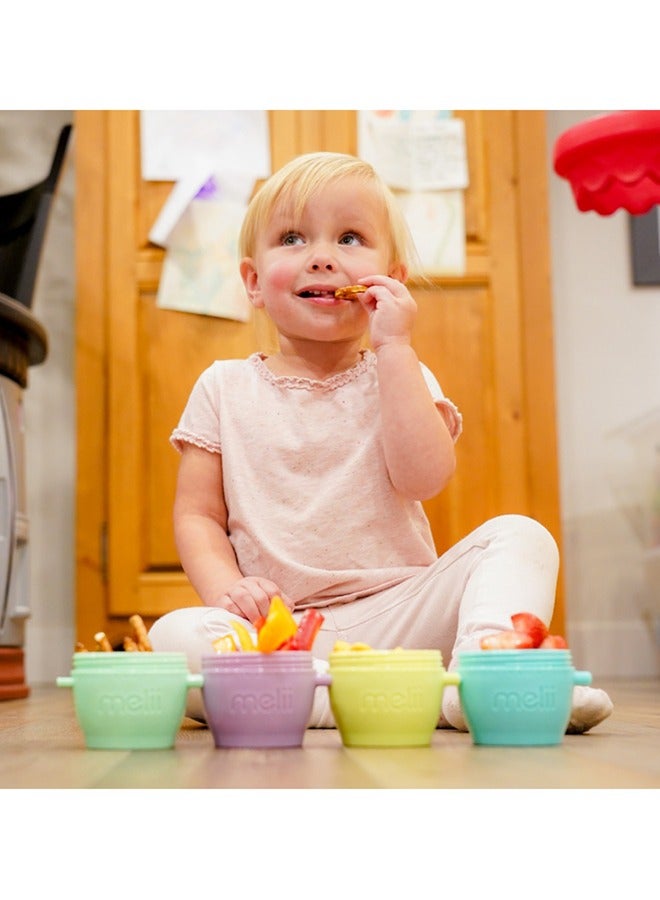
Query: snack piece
x: 139, y: 641
x: 528, y: 623
x: 308, y: 628
x: 529, y: 633
x: 224, y: 644
x: 345, y: 647
x: 553, y: 642
x: 141, y: 635
x: 507, y: 640
x: 351, y: 290
x: 102, y: 642
x: 278, y: 627
x: 276, y: 631
x: 245, y: 641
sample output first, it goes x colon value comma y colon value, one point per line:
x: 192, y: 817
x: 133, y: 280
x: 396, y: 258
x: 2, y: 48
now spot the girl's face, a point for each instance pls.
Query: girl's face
x: 341, y: 237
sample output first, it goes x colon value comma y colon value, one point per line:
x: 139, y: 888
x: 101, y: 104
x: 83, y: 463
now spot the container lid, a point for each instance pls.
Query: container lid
x: 97, y: 660
x: 494, y: 659
x: 612, y: 161
x: 279, y: 660
x: 390, y: 659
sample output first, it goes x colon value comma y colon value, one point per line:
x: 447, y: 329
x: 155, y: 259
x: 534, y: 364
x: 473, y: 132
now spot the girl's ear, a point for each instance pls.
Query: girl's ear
x: 399, y: 271
x: 251, y: 281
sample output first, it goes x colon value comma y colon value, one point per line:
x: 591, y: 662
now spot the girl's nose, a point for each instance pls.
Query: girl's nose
x: 321, y: 257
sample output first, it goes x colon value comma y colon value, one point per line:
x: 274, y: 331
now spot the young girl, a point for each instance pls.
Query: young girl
x: 302, y: 473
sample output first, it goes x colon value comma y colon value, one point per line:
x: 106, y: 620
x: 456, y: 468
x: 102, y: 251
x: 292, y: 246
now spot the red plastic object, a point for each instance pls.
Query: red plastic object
x: 612, y: 161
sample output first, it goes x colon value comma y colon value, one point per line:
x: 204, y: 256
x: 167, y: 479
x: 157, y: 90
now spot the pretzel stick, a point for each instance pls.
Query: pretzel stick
x: 130, y: 645
x: 80, y: 647
x: 140, y: 630
x: 102, y: 642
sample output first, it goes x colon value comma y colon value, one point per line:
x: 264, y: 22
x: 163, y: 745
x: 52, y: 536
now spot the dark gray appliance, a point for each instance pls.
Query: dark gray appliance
x: 24, y: 217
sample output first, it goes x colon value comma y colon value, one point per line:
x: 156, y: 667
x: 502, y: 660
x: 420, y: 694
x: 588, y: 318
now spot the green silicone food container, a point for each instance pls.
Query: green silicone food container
x: 130, y: 701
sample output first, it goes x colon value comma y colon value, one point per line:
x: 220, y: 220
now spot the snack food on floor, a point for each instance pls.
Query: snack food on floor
x: 141, y: 635
x: 137, y: 642
x: 102, y: 642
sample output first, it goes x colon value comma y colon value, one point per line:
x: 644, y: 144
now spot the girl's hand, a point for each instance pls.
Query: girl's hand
x: 391, y: 309
x: 250, y: 598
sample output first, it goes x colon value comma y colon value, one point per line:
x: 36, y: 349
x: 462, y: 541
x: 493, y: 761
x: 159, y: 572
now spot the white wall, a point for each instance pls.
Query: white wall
x: 607, y: 334
x: 608, y: 374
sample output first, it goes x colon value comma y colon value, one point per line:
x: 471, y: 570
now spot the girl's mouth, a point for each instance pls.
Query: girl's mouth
x: 323, y: 294
x: 320, y: 296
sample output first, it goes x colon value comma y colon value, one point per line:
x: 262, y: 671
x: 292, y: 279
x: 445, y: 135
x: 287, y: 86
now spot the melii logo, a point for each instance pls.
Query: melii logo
x: 543, y: 699
x: 147, y: 702
x: 390, y: 701
x: 277, y: 701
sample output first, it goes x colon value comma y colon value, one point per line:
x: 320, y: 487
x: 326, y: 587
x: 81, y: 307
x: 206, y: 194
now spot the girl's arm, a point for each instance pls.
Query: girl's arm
x: 418, y: 447
x: 200, y: 532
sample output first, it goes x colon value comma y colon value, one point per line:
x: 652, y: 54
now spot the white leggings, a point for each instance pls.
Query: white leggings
x: 507, y: 565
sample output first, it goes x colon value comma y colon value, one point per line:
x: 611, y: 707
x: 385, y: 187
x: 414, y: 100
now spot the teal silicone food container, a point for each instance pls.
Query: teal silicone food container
x: 255, y: 700
x: 130, y: 701
x: 518, y: 697
x: 387, y: 698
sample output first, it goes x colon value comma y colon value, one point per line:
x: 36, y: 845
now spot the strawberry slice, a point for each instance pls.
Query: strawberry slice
x: 553, y: 642
x: 528, y: 623
x: 507, y: 640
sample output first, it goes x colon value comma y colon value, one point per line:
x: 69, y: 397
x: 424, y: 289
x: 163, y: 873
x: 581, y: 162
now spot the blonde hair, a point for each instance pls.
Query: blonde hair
x: 296, y: 182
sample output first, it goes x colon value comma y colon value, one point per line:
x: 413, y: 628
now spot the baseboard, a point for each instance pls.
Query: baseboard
x: 12, y: 674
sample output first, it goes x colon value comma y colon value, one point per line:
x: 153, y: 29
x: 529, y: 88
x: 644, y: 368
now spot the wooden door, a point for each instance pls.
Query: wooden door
x: 487, y: 335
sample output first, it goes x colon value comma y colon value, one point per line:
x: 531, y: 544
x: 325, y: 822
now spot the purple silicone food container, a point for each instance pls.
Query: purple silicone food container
x: 258, y: 700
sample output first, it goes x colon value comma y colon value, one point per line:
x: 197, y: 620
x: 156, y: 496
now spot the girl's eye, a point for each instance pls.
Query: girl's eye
x: 351, y: 237
x: 290, y: 238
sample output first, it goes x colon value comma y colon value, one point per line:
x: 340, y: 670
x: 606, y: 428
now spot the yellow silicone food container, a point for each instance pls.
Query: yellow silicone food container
x: 387, y: 698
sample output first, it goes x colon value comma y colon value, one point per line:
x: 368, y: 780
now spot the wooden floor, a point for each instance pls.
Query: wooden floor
x: 41, y: 746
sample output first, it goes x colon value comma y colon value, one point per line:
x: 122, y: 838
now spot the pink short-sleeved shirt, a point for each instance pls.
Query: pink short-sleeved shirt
x: 309, y: 500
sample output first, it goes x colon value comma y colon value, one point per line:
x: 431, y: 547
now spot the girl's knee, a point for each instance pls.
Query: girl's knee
x: 530, y: 534
x: 165, y: 631
x: 191, y: 626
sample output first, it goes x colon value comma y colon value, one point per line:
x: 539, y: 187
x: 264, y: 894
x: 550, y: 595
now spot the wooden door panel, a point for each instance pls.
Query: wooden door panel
x: 178, y: 347
x: 475, y: 195
x: 453, y: 337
